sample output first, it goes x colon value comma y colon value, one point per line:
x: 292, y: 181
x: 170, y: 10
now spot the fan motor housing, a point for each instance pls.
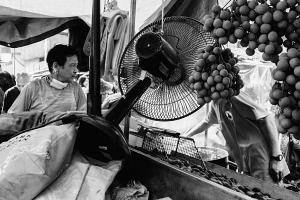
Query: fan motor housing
x: 156, y: 55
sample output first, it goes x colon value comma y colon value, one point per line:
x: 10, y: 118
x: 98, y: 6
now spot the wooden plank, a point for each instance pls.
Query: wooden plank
x: 163, y: 179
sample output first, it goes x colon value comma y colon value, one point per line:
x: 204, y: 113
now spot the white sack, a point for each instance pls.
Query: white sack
x: 32, y: 160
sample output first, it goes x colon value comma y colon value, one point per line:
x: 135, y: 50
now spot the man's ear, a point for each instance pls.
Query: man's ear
x: 54, y: 66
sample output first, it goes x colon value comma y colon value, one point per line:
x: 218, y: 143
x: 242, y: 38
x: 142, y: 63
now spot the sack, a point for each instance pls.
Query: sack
x: 292, y: 156
x: 30, y: 161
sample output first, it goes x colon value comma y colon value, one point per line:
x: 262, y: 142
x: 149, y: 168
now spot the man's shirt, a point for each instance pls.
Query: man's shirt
x: 38, y: 95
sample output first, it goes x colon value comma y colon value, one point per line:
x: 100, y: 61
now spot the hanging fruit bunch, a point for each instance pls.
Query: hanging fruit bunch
x: 215, y: 75
x: 267, y: 26
x: 256, y: 25
x: 286, y: 91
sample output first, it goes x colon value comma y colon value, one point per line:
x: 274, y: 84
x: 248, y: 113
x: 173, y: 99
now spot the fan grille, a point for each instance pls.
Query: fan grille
x: 164, y: 101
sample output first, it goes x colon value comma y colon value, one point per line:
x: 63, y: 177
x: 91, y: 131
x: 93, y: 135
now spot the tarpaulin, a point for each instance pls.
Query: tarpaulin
x: 27, y: 21
x: 189, y: 8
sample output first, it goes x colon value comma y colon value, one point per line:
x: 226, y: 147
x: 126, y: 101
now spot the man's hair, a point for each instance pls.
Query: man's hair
x: 59, y: 54
x: 6, y: 81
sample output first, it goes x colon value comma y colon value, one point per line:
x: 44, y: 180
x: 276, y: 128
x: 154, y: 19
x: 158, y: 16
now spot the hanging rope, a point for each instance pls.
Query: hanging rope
x: 225, y: 4
x: 106, y: 5
x: 110, y: 5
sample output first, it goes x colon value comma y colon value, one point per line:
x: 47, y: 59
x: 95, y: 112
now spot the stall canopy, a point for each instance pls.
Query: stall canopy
x: 23, y: 22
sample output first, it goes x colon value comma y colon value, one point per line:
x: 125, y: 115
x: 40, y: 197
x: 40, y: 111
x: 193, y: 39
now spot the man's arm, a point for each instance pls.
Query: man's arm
x: 23, y: 101
x: 268, y: 127
x: 81, y: 100
x: 198, y: 129
x: 5, y: 103
x: 210, y: 119
x: 270, y: 132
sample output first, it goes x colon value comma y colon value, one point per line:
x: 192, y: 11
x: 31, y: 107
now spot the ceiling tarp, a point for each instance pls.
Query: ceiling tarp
x: 48, y: 8
x: 23, y: 22
x: 189, y: 8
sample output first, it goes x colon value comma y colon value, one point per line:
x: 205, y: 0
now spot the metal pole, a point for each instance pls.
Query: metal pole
x: 14, y: 62
x: 131, y: 35
x: 206, y: 131
x: 132, y: 19
x: 94, y: 96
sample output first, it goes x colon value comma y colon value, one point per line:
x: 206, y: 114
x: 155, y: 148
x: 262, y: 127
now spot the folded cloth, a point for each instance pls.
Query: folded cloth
x: 98, y: 179
x: 134, y: 190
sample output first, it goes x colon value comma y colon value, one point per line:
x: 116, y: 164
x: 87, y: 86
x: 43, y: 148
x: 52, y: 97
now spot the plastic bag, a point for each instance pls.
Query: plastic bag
x: 101, y: 140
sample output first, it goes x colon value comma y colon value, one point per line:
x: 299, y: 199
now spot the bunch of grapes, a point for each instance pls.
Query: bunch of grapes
x: 215, y: 75
x: 268, y: 26
x: 262, y: 25
x: 285, y: 92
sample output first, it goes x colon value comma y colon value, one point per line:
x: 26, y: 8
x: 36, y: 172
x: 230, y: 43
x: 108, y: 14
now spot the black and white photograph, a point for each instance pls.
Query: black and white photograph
x: 149, y: 99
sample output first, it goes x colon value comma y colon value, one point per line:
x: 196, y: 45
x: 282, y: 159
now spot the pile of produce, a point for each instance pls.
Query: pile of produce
x: 215, y: 75
x: 198, y: 170
x: 273, y: 28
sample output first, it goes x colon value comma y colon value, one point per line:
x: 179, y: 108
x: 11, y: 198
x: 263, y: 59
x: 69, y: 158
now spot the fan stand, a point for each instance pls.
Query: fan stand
x: 124, y: 105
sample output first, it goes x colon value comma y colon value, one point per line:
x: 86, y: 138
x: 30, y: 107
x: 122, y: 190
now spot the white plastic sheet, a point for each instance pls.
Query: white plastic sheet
x: 82, y: 181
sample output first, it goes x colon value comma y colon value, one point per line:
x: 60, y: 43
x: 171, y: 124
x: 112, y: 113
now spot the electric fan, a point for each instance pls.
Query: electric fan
x: 166, y: 52
x: 153, y: 78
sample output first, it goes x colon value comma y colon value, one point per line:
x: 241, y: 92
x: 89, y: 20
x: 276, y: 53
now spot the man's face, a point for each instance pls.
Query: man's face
x: 67, y: 73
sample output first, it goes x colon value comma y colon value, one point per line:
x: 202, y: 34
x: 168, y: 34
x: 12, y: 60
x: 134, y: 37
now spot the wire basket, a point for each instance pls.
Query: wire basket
x: 169, y: 143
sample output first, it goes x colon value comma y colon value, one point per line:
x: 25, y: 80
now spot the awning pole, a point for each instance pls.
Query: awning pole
x: 131, y: 35
x: 132, y: 19
x: 94, y: 96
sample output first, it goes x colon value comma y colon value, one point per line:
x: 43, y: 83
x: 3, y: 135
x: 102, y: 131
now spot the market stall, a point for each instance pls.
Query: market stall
x: 154, y: 77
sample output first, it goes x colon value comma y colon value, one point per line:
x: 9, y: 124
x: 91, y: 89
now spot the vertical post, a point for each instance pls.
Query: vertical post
x: 132, y: 15
x: 94, y: 96
x: 131, y: 35
x: 206, y: 131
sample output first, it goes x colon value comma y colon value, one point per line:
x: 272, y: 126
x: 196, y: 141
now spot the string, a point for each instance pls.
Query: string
x: 226, y: 4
